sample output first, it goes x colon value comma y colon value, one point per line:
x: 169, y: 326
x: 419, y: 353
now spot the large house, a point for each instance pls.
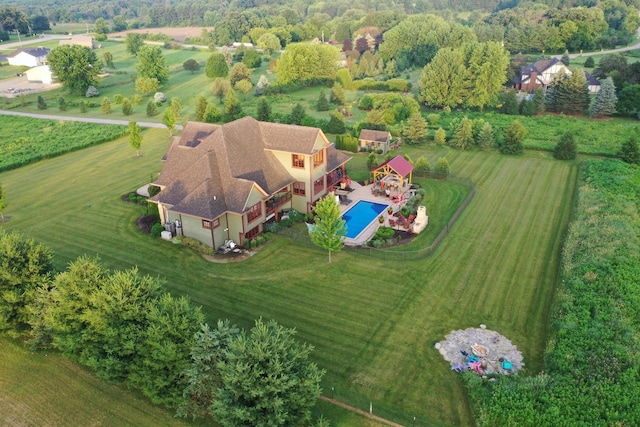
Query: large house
x: 223, y: 182
x: 30, y: 57
x: 540, y: 73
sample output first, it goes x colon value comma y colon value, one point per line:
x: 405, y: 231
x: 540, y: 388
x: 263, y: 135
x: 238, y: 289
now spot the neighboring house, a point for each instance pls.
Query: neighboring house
x: 29, y: 57
x: 224, y: 182
x: 80, y: 40
x: 540, y: 73
x: 40, y: 74
x: 374, y: 140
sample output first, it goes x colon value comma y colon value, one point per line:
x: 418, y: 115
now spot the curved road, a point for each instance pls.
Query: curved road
x: 85, y: 119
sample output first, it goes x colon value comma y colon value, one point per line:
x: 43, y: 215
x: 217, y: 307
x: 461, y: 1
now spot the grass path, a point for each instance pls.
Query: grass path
x: 373, y: 323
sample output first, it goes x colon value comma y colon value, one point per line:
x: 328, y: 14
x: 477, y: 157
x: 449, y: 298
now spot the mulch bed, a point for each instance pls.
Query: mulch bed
x: 145, y: 223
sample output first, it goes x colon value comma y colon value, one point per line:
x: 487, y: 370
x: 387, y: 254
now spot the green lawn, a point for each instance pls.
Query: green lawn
x: 373, y: 323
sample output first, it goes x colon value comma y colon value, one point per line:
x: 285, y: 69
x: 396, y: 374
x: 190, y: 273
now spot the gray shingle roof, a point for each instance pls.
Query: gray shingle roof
x: 374, y: 135
x: 37, y: 52
x: 212, y: 169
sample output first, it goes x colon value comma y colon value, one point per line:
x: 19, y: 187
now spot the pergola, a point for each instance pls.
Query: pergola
x: 394, y: 172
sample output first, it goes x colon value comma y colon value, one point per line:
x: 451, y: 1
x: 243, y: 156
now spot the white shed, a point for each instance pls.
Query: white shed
x: 41, y: 74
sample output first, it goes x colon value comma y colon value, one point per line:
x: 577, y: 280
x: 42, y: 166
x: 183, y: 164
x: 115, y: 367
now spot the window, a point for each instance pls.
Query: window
x: 318, y: 185
x: 254, y: 212
x: 297, y: 161
x: 299, y: 189
x: 211, y: 224
x: 318, y: 159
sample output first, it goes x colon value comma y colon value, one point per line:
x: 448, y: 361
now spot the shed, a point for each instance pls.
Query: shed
x: 374, y: 140
x: 40, y: 74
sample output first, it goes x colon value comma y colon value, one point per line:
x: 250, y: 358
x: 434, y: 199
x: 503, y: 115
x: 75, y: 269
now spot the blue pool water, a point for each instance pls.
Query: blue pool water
x: 361, y: 215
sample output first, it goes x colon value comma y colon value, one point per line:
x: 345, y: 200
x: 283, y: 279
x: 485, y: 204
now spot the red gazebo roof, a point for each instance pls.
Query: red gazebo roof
x: 399, y: 164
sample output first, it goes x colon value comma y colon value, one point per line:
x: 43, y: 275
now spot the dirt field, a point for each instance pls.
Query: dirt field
x: 177, y: 33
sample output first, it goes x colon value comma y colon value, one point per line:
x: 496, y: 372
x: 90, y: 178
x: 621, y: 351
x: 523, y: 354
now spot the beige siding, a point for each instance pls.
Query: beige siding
x: 254, y: 197
x: 299, y: 203
x: 192, y: 227
x: 235, y: 227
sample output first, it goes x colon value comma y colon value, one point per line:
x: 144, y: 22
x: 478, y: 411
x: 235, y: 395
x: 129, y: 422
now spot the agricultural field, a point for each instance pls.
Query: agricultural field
x: 24, y: 140
x: 373, y: 323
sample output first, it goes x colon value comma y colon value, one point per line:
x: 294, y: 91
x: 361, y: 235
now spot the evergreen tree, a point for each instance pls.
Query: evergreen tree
x: 266, y: 377
x: 440, y: 137
x: 212, y: 114
x: 565, y: 59
x: 589, y: 63
x: 578, y: 93
x: 336, y: 123
x: 513, y: 137
x: 630, y: 152
x: 566, y: 149
x: 127, y: 108
x: 176, y: 107
x: 442, y: 168
x: 463, y: 136
x: 239, y: 72
x: 322, y: 104
x: 201, y: 107
x: 232, y: 107
x: 415, y: 131
x: 486, y: 137
x: 83, y: 106
x: 422, y: 167
x: 538, y: 100
x: 337, y: 94
x: 527, y: 108
x: 264, y: 110
x: 152, y: 108
x: 42, y: 105
x: 510, y: 103
x: 106, y: 105
x: 329, y: 227
x: 297, y: 114
x: 3, y: 201
x: 62, y: 104
x: 606, y: 100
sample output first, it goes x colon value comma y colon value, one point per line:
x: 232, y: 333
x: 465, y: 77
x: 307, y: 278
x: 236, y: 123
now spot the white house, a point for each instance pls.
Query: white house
x: 40, y: 74
x: 29, y: 57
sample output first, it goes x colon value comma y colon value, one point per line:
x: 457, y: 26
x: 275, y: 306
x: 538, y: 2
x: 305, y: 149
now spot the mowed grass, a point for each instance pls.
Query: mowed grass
x: 373, y: 323
x: 44, y: 388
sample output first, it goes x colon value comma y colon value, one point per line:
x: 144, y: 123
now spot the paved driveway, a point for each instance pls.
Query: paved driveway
x: 13, y: 87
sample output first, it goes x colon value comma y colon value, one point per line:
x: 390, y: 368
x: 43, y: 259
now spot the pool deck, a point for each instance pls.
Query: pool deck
x: 364, y: 192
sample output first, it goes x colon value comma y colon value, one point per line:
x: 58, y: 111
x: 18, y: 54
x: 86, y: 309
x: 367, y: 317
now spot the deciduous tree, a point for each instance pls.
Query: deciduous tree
x: 269, y: 43
x: 135, y: 138
x: 151, y: 63
x: 146, y: 85
x: 305, y: 62
x: 232, y: 108
x: 169, y: 120
x: 134, y: 42
x: 216, y: 66
x: 329, y: 227
x: 443, y: 82
x: 106, y: 105
x: 191, y: 65
x: 75, y: 66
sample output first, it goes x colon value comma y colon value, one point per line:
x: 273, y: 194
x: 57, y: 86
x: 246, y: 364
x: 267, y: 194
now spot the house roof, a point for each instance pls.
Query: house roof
x: 591, y: 81
x: 398, y: 164
x: 375, y: 135
x: 211, y: 169
x: 538, y: 66
x: 36, y: 52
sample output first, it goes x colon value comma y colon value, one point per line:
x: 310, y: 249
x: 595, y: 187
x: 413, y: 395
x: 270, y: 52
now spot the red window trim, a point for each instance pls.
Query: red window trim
x: 297, y: 161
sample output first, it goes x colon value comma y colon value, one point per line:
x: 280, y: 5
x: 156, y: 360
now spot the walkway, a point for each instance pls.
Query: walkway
x: 85, y: 119
x: 360, y: 411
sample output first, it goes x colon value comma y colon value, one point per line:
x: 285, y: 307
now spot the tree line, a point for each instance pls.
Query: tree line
x: 123, y: 326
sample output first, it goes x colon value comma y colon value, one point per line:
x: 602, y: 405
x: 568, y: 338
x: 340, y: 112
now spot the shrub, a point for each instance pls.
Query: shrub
x: 127, y: 108
x: 91, y: 92
x: 62, y: 104
x: 198, y: 246
x: 83, y: 107
x: 433, y: 119
x: 117, y: 99
x: 153, y: 190
x: 157, y: 230
x: 159, y: 97
x: 42, y: 105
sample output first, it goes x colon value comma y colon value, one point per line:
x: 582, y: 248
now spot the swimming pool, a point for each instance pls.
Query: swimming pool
x: 360, y: 216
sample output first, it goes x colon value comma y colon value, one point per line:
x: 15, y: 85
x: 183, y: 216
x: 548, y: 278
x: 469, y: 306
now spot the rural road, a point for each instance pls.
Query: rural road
x: 85, y: 119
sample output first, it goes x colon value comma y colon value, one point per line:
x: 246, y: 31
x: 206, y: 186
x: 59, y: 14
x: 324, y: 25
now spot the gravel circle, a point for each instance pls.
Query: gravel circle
x: 492, y: 348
